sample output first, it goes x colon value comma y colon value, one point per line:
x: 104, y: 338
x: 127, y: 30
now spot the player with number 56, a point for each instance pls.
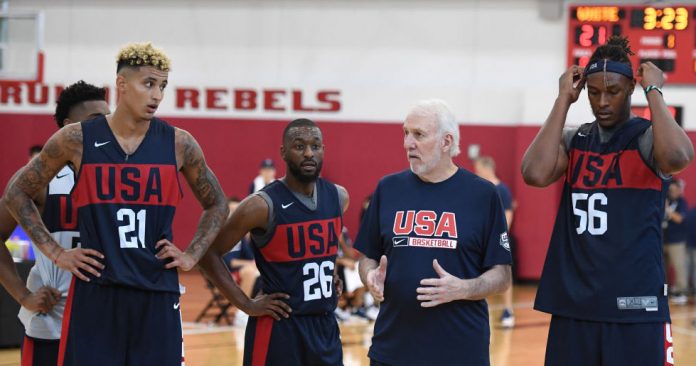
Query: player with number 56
x: 603, y: 279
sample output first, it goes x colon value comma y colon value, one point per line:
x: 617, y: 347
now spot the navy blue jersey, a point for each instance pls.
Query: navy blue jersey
x: 300, y: 257
x: 59, y: 213
x: 505, y: 195
x: 461, y: 223
x: 676, y: 232
x: 126, y: 204
x: 604, y: 261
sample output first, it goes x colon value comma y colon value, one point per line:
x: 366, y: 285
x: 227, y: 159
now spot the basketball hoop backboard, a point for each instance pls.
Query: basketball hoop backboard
x: 21, y: 44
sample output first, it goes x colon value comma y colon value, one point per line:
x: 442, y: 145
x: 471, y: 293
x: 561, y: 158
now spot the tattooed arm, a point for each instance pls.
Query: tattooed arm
x: 252, y: 213
x: 44, y: 298
x: 206, y: 188
x: 63, y: 147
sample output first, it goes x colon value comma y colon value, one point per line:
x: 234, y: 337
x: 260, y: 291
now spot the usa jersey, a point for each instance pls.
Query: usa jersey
x: 126, y: 203
x: 604, y: 261
x: 300, y: 256
x: 461, y: 223
x: 60, y: 217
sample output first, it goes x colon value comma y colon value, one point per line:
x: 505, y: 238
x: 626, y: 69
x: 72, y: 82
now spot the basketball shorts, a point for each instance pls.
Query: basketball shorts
x: 118, y: 326
x: 300, y: 340
x: 39, y: 352
x: 574, y: 342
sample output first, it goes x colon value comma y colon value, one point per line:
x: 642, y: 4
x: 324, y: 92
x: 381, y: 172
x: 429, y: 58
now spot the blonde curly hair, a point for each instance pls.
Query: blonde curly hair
x: 142, y: 54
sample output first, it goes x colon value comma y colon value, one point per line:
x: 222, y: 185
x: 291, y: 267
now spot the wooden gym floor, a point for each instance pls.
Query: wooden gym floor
x: 209, y: 345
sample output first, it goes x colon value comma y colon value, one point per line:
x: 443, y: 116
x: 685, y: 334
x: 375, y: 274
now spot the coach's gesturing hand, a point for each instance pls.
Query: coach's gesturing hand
x: 375, y: 279
x: 436, y: 291
x: 446, y: 288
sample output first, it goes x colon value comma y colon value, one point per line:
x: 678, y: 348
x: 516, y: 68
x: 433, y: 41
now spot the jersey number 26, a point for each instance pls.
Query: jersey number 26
x: 318, y: 280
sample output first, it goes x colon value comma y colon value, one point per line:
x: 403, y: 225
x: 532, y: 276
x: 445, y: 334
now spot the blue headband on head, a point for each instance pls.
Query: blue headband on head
x: 609, y: 66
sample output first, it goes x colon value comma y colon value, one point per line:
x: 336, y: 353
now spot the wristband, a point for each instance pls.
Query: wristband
x: 652, y: 87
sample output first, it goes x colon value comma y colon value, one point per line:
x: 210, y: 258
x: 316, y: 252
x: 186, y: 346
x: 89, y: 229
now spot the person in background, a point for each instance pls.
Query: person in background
x: 691, y: 248
x: 355, y: 300
x: 34, y: 150
x: 267, y: 174
x: 484, y: 167
x: 675, y: 241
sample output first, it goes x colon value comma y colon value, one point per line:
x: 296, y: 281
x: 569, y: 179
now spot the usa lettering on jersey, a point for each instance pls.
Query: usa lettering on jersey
x: 68, y: 213
x: 429, y: 228
x: 303, y: 240
x: 589, y: 170
x: 127, y: 184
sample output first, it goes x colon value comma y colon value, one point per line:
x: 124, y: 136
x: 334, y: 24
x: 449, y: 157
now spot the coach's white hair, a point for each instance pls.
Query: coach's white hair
x: 443, y: 116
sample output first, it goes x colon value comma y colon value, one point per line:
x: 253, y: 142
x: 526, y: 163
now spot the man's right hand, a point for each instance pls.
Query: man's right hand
x: 269, y: 305
x: 571, y: 83
x: 77, y: 260
x: 41, y: 301
x: 375, y: 279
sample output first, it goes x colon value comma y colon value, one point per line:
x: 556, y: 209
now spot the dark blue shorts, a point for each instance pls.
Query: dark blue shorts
x: 118, y: 326
x: 39, y: 352
x: 300, y: 340
x: 574, y: 342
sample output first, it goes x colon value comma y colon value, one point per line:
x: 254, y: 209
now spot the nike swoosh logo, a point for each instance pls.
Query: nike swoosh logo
x: 399, y: 241
x: 286, y: 206
x: 176, y: 306
x: 581, y: 134
x: 98, y: 144
x: 62, y: 176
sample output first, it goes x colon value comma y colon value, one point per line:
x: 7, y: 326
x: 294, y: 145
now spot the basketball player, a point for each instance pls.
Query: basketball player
x: 442, y: 232
x: 484, y: 167
x: 124, y: 309
x: 294, y: 224
x: 78, y: 102
x: 603, y: 279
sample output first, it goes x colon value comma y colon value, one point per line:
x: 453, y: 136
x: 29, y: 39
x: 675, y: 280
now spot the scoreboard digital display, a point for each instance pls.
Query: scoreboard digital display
x: 660, y: 33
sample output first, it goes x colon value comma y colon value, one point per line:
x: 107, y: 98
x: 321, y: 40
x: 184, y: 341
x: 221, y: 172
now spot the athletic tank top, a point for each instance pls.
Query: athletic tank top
x: 300, y: 256
x: 604, y: 261
x: 126, y: 203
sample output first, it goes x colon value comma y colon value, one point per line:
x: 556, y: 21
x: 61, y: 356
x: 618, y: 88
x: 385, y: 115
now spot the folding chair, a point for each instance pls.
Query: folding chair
x: 218, y: 307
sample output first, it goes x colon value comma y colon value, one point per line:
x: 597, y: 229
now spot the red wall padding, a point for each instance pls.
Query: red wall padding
x: 357, y: 155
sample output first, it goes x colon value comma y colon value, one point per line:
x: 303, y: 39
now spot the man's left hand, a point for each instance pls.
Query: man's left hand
x: 436, y: 291
x: 178, y: 258
x: 650, y: 75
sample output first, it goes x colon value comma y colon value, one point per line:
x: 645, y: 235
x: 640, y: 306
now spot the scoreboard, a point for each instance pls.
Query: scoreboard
x: 660, y: 33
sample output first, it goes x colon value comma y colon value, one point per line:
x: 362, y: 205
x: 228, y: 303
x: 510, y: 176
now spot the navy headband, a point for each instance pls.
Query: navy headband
x: 609, y: 66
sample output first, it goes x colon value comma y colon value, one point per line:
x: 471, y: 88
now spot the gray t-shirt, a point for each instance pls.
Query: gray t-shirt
x: 262, y: 237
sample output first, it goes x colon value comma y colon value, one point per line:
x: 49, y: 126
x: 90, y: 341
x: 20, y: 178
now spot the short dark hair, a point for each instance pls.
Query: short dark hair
x: 616, y: 49
x: 35, y: 149
x: 300, y: 122
x: 74, y: 95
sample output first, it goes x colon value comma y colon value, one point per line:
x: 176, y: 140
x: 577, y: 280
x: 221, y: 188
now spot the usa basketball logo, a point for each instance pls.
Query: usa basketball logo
x: 431, y: 230
x: 505, y: 241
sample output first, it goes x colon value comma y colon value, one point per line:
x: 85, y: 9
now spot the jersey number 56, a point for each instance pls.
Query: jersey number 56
x: 592, y: 220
